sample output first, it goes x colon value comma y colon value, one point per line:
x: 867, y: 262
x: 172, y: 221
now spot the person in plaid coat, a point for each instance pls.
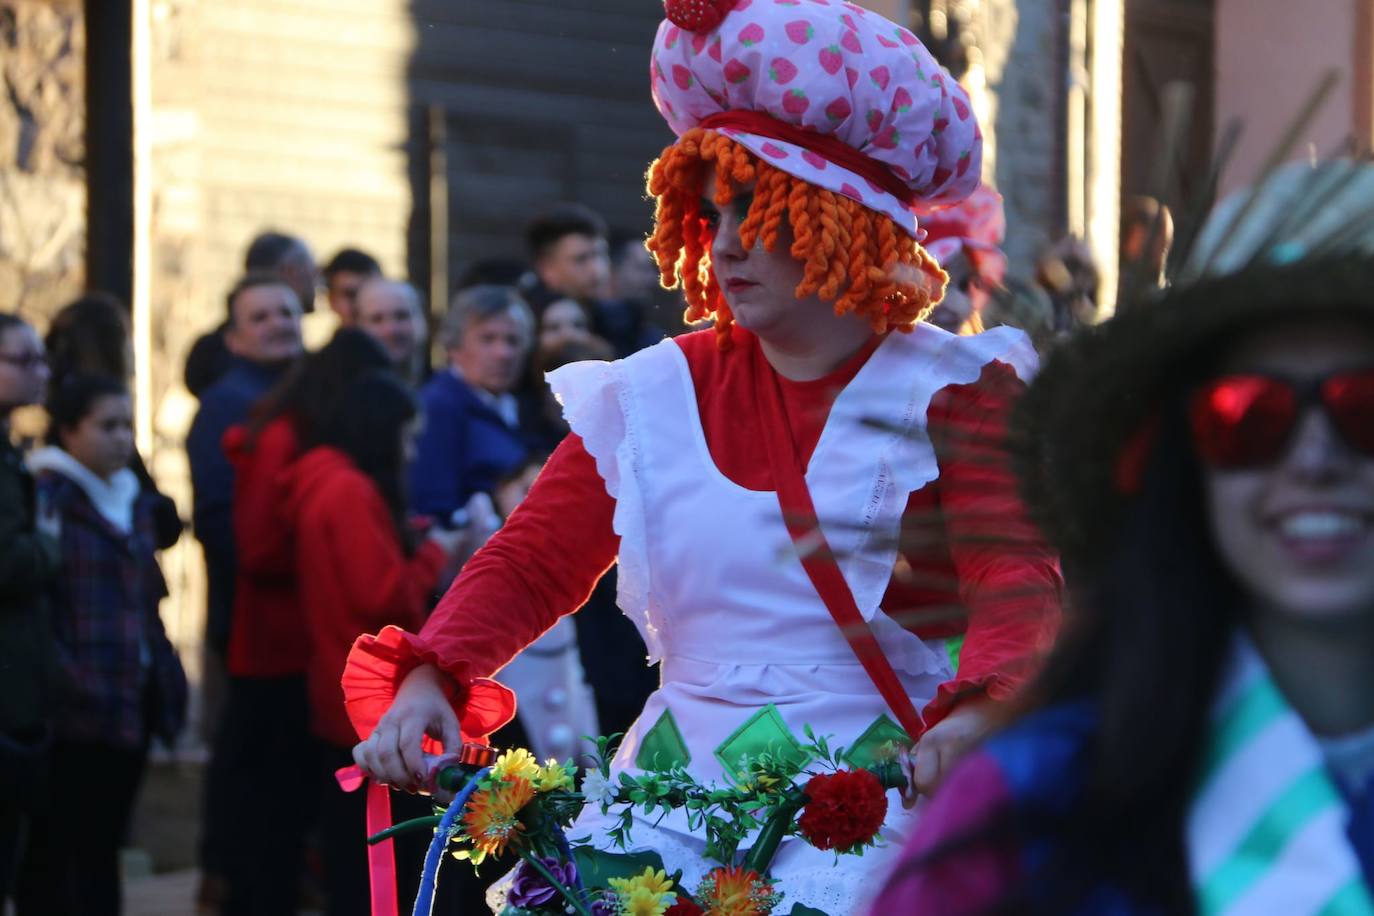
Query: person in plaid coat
x: 120, y: 681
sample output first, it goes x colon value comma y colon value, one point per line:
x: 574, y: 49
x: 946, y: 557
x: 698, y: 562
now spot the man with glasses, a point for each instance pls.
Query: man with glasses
x: 28, y: 564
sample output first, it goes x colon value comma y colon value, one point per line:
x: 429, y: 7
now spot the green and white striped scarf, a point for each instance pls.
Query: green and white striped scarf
x: 1267, y: 825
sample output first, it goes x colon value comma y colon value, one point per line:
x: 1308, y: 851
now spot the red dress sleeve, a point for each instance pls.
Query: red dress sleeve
x: 1009, y: 580
x: 541, y: 565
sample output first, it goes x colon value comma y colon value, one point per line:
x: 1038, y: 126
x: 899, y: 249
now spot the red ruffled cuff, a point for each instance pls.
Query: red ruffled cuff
x: 951, y: 693
x: 376, y: 666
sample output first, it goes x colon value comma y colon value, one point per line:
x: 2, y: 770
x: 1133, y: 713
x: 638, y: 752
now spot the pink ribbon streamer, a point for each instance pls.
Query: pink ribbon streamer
x: 381, y: 858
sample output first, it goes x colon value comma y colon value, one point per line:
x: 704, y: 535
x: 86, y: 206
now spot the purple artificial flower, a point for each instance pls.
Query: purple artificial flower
x: 530, y: 889
x: 603, y: 908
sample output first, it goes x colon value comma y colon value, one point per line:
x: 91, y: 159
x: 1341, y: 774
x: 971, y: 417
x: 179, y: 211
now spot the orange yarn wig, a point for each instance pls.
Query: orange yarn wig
x: 856, y: 258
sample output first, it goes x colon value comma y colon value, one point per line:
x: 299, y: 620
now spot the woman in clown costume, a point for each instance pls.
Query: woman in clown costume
x: 810, y: 136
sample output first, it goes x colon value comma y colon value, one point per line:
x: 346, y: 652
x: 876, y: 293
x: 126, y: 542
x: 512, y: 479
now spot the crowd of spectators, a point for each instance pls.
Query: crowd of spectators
x: 337, y: 489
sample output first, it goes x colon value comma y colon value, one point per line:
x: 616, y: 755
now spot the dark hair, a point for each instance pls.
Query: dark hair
x: 1144, y: 641
x: 545, y: 230
x: 90, y: 334
x: 619, y: 240
x: 547, y: 359
x: 351, y: 260
x: 311, y: 388
x: 269, y: 250
x: 547, y: 425
x: 494, y: 272
x: 365, y: 423
x: 71, y: 399
x: 540, y: 298
x: 250, y: 280
x: 535, y: 460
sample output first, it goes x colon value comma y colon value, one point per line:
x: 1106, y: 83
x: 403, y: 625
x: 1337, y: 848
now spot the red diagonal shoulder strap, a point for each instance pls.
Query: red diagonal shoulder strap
x: 799, y: 514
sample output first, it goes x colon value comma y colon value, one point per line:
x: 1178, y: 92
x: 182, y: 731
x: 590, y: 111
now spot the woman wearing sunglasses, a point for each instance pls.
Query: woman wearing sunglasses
x: 1202, y: 739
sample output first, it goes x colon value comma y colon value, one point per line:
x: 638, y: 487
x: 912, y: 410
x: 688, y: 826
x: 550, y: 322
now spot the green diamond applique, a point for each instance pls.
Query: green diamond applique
x: 764, y: 733
x: 663, y: 747
x: 954, y: 647
x: 868, y: 748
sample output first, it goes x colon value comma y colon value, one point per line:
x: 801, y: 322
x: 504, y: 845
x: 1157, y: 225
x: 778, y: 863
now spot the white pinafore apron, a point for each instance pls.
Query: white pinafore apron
x: 711, y: 578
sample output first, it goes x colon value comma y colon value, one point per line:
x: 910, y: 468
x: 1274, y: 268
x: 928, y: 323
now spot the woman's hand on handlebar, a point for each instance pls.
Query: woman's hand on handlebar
x: 392, y: 753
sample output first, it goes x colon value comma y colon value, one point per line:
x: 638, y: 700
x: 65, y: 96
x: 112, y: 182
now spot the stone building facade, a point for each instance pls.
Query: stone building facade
x: 42, y: 151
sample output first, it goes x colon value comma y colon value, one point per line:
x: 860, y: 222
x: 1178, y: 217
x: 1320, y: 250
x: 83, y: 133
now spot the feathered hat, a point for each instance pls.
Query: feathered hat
x: 1300, y: 244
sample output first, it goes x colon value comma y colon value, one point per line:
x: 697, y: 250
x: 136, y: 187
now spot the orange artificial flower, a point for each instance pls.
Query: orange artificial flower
x: 492, y: 820
x: 736, y: 891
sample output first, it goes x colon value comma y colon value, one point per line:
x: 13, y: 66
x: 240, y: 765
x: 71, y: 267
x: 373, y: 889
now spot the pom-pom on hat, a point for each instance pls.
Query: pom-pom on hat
x: 829, y: 92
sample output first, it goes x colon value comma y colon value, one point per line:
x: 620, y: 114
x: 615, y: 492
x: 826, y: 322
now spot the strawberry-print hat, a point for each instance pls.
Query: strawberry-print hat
x: 827, y: 91
x: 976, y: 225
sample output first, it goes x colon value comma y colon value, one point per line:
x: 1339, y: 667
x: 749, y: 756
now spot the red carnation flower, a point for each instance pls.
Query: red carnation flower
x: 845, y: 809
x: 685, y: 906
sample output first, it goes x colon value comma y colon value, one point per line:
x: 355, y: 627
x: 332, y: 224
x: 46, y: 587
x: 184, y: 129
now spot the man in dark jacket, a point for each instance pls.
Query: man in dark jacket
x: 28, y: 564
x: 470, y: 438
x: 263, y: 334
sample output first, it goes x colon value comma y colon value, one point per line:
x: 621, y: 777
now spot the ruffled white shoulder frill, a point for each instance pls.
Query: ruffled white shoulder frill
x: 898, y: 382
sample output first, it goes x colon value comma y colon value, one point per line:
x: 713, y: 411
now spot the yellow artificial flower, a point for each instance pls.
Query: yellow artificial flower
x: 758, y: 781
x: 647, y: 894
x: 492, y: 820
x: 553, y: 776
x: 516, y: 762
x: 645, y: 903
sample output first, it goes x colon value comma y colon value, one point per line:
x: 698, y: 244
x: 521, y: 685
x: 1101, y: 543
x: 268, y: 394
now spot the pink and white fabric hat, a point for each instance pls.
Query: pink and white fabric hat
x: 827, y: 91
x: 977, y: 226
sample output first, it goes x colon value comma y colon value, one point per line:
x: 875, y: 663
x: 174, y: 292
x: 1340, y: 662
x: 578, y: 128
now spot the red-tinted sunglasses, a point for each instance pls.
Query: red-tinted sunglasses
x: 1246, y: 421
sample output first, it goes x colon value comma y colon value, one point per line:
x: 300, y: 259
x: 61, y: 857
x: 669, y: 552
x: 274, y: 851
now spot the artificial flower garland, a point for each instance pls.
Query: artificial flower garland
x: 521, y: 807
